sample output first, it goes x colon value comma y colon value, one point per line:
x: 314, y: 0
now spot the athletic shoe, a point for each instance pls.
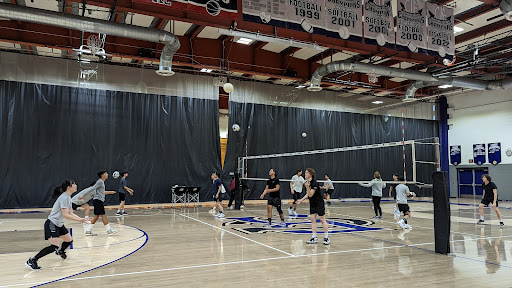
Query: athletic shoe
x: 380, y: 217
x: 125, y: 214
x: 402, y: 224
x: 327, y: 241
x: 32, y: 264
x: 290, y: 211
x: 242, y: 206
x: 375, y: 217
x: 61, y: 253
x: 282, y: 225
x: 313, y: 240
x: 502, y: 224
x: 111, y: 232
x: 89, y: 233
x: 480, y: 222
x: 295, y: 213
x: 119, y: 214
x: 220, y: 215
x: 267, y: 225
x: 231, y: 207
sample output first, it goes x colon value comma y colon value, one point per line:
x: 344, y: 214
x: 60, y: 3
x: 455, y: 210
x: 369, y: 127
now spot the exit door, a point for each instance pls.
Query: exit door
x: 470, y: 181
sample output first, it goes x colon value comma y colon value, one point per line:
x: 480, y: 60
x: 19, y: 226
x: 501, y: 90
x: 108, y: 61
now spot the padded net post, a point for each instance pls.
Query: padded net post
x: 441, y: 212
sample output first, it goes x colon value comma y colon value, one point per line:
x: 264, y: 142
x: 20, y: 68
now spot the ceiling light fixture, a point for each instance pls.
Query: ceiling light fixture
x: 204, y: 70
x: 245, y: 41
x: 457, y: 29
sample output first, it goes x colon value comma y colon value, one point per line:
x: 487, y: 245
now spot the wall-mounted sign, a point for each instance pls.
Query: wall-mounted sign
x: 479, y: 153
x: 494, y: 152
x: 455, y: 156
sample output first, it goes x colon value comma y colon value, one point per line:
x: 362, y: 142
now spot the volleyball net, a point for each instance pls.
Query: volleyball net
x: 414, y: 160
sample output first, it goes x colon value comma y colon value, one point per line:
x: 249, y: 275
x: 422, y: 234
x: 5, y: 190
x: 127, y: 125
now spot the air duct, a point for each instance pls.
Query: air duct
x: 423, y: 79
x: 337, y: 66
x: 506, y: 9
x: 75, y: 22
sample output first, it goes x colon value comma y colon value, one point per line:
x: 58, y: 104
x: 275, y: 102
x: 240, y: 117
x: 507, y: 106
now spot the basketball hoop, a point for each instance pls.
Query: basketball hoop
x: 95, y: 44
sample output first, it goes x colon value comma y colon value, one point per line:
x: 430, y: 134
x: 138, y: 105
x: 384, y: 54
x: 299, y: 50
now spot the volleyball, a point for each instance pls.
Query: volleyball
x: 115, y: 174
x: 304, y: 134
x: 236, y: 127
x: 228, y: 87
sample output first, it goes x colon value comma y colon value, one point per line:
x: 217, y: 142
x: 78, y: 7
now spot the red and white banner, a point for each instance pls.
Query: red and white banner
x: 218, y: 8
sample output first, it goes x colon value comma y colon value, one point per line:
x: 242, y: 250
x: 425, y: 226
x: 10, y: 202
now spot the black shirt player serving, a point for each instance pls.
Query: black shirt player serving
x: 274, y: 198
x: 316, y: 206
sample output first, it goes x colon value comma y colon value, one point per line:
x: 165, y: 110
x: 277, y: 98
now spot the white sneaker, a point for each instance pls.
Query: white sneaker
x: 220, y: 215
x: 295, y: 213
x: 313, y: 240
x: 112, y: 232
x: 402, y: 223
x: 242, y: 206
x: 290, y: 211
x: 89, y: 233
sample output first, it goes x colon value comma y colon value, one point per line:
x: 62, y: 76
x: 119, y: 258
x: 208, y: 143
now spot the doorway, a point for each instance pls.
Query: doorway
x: 470, y: 182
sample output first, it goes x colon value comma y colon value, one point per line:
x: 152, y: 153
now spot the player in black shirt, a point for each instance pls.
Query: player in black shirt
x: 490, y: 196
x: 316, y: 206
x: 274, y: 198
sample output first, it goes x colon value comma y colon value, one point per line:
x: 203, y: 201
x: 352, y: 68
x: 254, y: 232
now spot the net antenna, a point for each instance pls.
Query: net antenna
x: 414, y: 144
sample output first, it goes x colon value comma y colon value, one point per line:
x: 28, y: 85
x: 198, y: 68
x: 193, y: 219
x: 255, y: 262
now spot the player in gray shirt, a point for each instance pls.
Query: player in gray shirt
x: 54, y: 229
x: 99, y: 208
x: 402, y: 192
x: 82, y: 197
x: 377, y: 186
x: 122, y: 194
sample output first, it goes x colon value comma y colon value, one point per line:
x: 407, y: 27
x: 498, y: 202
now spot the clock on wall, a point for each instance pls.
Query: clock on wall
x: 508, y: 152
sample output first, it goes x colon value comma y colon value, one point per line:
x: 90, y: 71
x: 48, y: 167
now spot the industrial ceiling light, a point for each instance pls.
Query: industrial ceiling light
x: 245, y: 41
x: 205, y: 70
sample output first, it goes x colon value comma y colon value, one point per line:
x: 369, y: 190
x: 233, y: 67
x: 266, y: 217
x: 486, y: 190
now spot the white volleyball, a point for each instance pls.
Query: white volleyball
x: 236, y: 127
x: 304, y: 134
x: 228, y: 87
x: 115, y: 174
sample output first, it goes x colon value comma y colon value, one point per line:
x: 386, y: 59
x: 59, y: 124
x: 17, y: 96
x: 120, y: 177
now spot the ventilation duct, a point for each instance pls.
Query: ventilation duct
x: 75, y: 22
x: 337, y: 66
x: 506, y: 9
x: 422, y: 79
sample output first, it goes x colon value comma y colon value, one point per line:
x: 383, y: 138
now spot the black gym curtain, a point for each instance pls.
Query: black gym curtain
x: 50, y: 133
x: 277, y: 129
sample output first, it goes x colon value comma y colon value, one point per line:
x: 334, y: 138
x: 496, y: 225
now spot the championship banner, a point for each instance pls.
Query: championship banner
x: 479, y: 153
x: 441, y: 38
x: 379, y: 26
x: 344, y: 19
x: 333, y: 18
x: 221, y: 8
x: 494, y: 151
x: 411, y: 25
x: 455, y: 155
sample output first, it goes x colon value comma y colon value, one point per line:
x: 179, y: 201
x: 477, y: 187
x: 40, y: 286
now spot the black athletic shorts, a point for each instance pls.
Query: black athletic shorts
x: 488, y: 202
x: 404, y: 208
x: 274, y: 201
x: 221, y: 195
x: 317, y: 209
x: 329, y: 191
x: 74, y: 206
x: 53, y: 231
x: 122, y: 196
x: 99, y: 207
x: 296, y: 196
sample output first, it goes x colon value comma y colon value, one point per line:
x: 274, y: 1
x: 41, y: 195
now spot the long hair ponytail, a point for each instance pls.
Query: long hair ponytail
x: 62, y: 188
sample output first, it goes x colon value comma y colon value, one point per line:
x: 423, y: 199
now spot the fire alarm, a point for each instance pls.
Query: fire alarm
x: 470, y: 160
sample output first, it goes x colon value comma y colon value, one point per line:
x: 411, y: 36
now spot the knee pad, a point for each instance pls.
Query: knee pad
x: 279, y: 210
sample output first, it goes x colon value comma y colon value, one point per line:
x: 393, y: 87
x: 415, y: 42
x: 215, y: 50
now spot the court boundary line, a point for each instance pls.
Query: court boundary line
x: 89, y: 270
x: 233, y: 233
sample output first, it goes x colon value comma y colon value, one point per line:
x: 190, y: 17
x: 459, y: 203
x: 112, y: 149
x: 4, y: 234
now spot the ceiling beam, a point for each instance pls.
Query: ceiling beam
x: 194, y: 31
x: 483, y: 31
x: 289, y: 51
x: 259, y: 45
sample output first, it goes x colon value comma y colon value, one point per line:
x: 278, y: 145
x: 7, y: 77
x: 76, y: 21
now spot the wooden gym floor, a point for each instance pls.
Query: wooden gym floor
x: 188, y: 247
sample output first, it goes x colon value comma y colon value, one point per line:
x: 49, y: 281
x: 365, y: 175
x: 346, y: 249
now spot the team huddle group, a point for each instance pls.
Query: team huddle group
x: 316, y: 198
